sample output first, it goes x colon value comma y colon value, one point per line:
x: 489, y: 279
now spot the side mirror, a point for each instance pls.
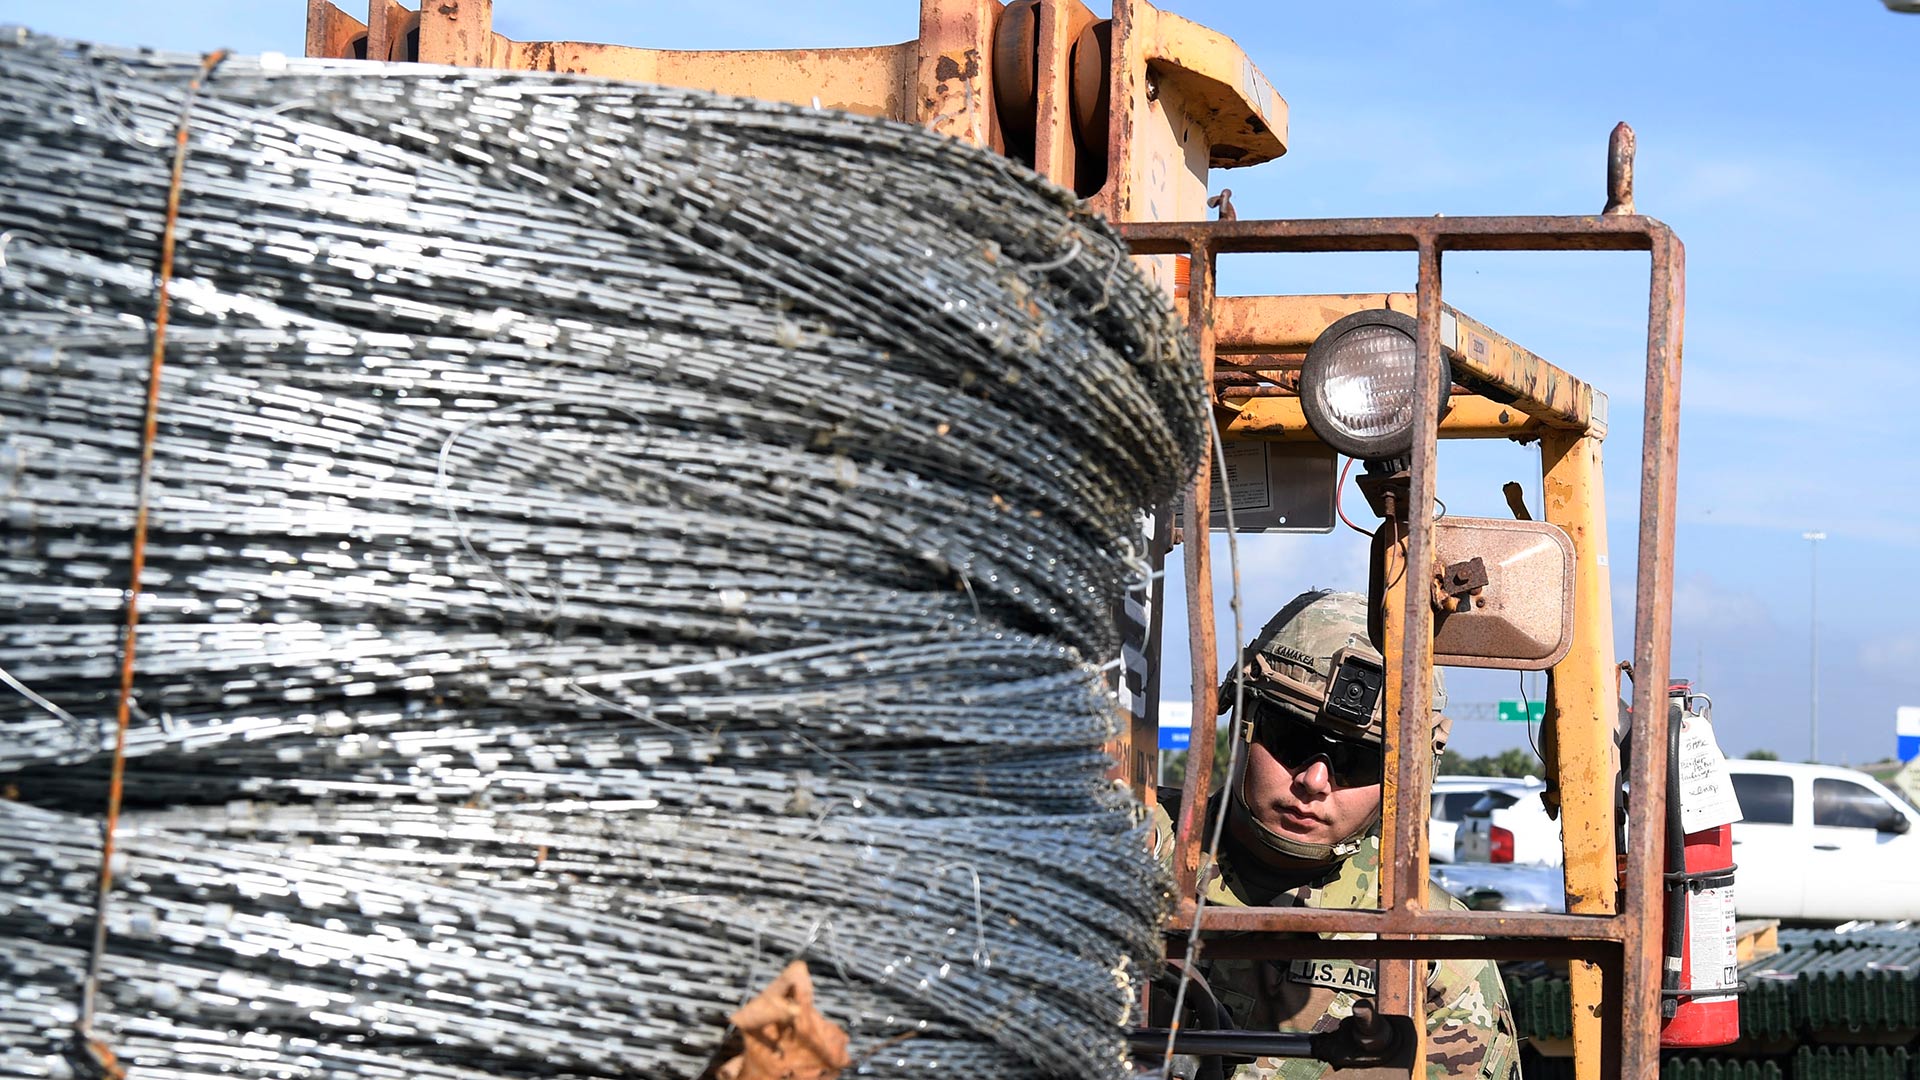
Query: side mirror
x: 1522, y: 616
x: 1896, y: 823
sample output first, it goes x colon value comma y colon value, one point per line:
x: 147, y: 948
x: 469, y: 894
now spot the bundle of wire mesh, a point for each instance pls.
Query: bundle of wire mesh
x: 606, y: 542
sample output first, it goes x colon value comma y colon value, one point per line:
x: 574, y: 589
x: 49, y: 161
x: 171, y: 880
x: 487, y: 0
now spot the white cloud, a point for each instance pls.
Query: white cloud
x: 1896, y: 658
x: 1748, y: 181
x: 1702, y: 605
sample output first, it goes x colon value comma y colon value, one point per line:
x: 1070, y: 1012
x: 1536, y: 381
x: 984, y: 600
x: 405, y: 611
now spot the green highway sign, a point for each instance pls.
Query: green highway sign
x: 1515, y: 712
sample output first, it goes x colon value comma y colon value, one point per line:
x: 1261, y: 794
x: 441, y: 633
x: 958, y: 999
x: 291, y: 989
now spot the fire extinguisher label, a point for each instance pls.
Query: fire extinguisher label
x: 1713, y: 961
x: 1706, y: 790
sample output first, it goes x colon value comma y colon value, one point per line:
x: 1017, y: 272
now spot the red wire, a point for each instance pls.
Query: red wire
x: 1339, y: 490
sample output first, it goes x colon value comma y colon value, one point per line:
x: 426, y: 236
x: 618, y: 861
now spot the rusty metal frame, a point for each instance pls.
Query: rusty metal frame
x: 944, y: 79
x: 1513, y: 392
x: 1624, y: 946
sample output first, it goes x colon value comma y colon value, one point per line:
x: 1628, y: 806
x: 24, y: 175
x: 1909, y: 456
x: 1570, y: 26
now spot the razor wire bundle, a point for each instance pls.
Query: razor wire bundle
x: 605, y: 542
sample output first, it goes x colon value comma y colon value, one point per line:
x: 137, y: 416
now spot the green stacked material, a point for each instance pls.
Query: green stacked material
x: 1852, y: 1063
x: 1855, y: 982
x: 1894, y: 936
x: 1772, y: 1006
x: 1798, y: 1010
x: 1542, y: 1004
x: 1696, y: 1067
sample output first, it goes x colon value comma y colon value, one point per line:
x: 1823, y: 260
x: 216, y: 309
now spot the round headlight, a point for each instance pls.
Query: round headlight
x: 1357, y: 385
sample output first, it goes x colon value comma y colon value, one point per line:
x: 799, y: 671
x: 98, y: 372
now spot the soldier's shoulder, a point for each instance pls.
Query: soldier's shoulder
x: 1163, y: 818
x: 1474, y: 978
x: 1356, y: 885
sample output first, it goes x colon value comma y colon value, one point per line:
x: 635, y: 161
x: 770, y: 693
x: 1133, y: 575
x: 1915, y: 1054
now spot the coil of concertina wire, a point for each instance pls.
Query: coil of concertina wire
x: 606, y: 542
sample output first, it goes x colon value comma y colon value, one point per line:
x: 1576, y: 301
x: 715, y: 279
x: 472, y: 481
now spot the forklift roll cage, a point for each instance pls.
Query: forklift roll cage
x: 1615, y: 947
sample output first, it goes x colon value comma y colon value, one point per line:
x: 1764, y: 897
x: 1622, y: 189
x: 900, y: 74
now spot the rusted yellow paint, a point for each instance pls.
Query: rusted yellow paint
x: 1539, y: 388
x: 1055, y: 149
x: 1247, y: 325
x: 1166, y: 175
x: 388, y: 24
x: 874, y: 81
x: 459, y: 32
x: 953, y: 76
x: 330, y: 31
x: 1482, y: 358
x: 1279, y: 419
x: 1244, y: 118
x: 1186, y: 97
x: 1582, y: 707
x: 1398, y: 992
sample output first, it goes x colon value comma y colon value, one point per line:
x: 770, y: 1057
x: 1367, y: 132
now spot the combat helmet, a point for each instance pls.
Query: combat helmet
x: 1314, y: 664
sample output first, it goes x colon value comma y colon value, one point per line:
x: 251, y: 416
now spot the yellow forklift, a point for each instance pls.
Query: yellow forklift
x: 1133, y: 112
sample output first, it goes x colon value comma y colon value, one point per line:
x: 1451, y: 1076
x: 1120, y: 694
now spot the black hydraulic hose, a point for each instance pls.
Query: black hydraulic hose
x: 1676, y: 879
x: 1247, y: 1044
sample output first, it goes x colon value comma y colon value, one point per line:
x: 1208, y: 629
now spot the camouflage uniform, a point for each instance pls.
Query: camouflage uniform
x: 1290, y: 665
x: 1469, y: 1028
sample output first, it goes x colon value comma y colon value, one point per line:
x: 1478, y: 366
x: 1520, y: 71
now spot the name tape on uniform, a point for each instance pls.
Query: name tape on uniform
x: 1335, y: 975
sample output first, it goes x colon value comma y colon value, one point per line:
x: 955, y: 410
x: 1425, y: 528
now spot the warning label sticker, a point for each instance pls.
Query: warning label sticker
x: 1246, y: 476
x: 1713, y: 961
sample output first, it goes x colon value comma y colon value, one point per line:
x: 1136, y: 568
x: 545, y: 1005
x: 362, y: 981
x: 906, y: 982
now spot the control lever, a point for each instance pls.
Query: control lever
x: 1365, y: 1039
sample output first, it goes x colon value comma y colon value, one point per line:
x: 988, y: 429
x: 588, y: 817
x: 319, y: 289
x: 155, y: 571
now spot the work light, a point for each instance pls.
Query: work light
x: 1357, y: 385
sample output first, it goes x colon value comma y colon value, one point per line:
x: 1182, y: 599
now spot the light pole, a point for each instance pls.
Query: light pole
x: 1813, y: 642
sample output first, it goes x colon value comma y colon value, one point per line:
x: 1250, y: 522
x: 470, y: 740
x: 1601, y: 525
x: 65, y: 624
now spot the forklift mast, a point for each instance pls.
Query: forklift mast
x: 1132, y: 113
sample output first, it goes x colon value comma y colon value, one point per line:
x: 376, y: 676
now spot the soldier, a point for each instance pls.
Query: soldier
x: 1303, y: 829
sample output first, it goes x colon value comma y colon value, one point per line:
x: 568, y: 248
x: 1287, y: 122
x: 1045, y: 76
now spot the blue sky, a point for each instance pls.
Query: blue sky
x: 1780, y: 140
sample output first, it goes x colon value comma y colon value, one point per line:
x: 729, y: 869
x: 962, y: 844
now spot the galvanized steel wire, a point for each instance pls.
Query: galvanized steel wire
x: 607, y: 541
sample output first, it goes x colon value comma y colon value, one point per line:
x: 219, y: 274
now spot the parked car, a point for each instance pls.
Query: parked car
x: 1509, y: 825
x: 1504, y: 886
x: 1822, y: 843
x: 1453, y: 796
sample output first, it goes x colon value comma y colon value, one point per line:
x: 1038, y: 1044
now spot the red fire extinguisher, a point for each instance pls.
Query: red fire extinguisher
x: 1699, y: 1005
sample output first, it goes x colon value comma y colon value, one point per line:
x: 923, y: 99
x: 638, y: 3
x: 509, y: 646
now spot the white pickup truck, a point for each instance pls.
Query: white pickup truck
x: 1455, y: 796
x: 1822, y: 843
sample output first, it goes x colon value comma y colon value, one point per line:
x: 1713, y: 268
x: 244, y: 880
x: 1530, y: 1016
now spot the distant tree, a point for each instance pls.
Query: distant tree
x: 1762, y: 755
x: 1176, y: 770
x: 1514, y: 763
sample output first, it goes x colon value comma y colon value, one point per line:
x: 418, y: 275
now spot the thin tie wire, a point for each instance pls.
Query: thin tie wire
x: 82, y: 738
x: 89, y: 994
x: 7, y: 267
x: 982, y: 959
x: 1211, y: 863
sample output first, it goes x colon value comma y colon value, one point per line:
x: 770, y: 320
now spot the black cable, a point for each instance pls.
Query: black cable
x: 1528, y: 716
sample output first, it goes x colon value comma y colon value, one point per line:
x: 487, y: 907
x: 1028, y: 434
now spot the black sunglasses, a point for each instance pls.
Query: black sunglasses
x: 1295, y: 745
